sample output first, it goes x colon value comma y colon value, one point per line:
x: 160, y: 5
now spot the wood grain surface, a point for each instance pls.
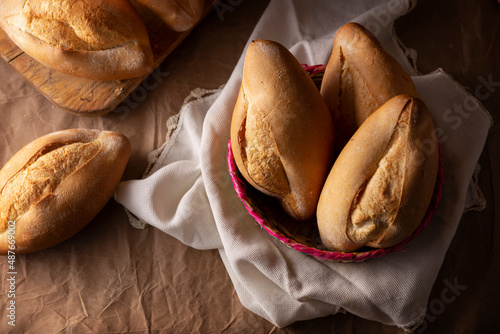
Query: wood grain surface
x: 86, y: 97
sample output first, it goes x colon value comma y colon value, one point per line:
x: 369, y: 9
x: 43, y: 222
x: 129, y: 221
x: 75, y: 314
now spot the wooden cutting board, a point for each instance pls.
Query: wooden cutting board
x: 86, y: 97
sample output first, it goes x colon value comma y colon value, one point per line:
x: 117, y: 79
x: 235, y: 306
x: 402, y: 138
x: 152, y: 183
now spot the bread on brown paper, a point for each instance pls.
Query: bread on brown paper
x: 359, y: 77
x: 382, y: 182
x: 178, y: 15
x: 54, y: 186
x: 94, y: 39
x: 281, y: 131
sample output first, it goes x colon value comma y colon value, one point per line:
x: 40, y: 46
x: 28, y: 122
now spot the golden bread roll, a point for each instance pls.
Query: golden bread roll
x: 54, y: 186
x: 360, y: 76
x: 281, y: 130
x: 94, y: 39
x: 178, y: 15
x: 382, y: 182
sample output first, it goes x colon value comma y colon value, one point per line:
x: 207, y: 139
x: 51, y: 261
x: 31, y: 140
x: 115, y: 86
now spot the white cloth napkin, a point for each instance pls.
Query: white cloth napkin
x: 188, y: 193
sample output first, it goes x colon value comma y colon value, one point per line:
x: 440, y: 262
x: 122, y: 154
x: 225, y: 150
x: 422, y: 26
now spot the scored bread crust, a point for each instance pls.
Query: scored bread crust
x: 382, y: 182
x: 360, y: 76
x: 57, y: 184
x: 94, y: 39
x: 281, y: 131
x: 178, y: 15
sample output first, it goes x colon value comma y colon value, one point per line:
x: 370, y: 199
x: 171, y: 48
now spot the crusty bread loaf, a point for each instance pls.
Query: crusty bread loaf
x: 281, y: 130
x: 54, y: 186
x: 178, y: 15
x: 382, y: 182
x: 359, y: 77
x: 94, y: 39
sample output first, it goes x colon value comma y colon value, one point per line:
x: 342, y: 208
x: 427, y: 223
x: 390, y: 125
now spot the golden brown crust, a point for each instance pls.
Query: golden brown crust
x: 382, y: 182
x: 98, y: 40
x: 178, y: 15
x: 55, y: 185
x: 281, y: 131
x: 360, y: 76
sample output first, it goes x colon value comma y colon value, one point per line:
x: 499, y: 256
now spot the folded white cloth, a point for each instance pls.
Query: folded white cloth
x: 188, y: 192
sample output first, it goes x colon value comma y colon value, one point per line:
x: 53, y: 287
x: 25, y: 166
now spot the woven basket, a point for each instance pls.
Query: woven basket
x: 304, y: 236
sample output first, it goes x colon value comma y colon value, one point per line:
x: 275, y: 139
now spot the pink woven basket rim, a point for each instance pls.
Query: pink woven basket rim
x: 240, y: 188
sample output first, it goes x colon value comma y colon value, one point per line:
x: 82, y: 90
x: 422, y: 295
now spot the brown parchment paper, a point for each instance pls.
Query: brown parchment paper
x: 113, y: 278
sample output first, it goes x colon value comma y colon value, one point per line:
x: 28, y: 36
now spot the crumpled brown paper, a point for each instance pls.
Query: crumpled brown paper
x: 113, y: 278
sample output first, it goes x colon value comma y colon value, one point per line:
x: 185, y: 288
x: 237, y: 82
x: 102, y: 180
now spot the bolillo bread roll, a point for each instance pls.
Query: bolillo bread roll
x: 54, y: 186
x: 281, y: 130
x: 94, y: 39
x: 382, y: 182
x: 359, y: 77
x: 178, y: 15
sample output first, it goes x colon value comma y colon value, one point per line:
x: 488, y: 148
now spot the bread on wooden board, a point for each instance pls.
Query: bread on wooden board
x: 281, y: 131
x: 54, y: 186
x: 381, y: 184
x: 360, y: 76
x: 94, y: 39
x: 178, y: 15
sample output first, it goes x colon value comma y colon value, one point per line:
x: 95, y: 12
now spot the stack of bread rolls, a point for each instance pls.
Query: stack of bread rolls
x: 366, y: 169
x: 94, y: 39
